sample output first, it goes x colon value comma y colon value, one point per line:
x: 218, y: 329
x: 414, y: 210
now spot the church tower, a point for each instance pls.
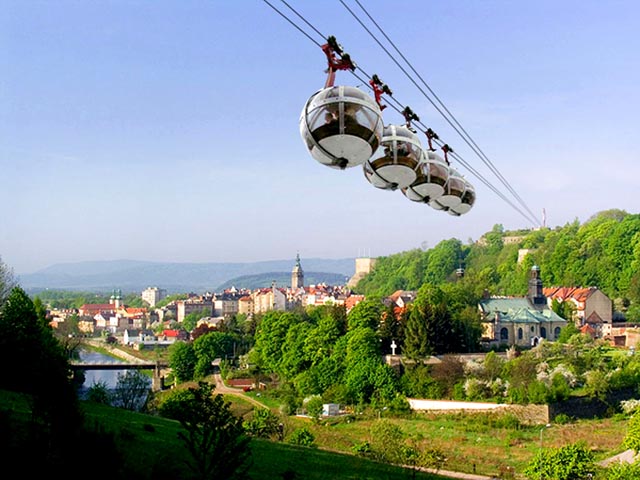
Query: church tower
x: 297, y: 275
x: 536, y: 296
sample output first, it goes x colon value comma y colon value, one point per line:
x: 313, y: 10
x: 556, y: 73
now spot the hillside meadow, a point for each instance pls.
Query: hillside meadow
x: 150, y: 446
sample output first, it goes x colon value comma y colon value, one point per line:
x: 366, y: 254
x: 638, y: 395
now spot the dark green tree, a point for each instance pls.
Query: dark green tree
x: 183, y: 360
x: 429, y: 328
x: 214, y: 437
x: 41, y: 370
x: 294, y: 358
x: 209, y: 347
x: 270, y: 336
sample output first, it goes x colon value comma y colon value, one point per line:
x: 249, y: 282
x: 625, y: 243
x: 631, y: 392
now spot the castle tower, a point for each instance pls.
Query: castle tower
x: 364, y: 266
x: 297, y: 275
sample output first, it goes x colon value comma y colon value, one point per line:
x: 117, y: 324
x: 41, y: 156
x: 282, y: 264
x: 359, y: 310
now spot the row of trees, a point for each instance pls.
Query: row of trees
x: 604, y: 251
x: 324, y: 352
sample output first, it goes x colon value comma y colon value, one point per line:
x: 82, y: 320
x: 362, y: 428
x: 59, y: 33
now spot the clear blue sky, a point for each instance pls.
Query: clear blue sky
x: 168, y: 130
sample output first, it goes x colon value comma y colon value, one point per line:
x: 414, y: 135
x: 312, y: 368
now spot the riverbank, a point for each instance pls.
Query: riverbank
x: 112, y: 350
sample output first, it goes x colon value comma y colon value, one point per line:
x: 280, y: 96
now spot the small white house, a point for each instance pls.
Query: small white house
x: 330, y: 409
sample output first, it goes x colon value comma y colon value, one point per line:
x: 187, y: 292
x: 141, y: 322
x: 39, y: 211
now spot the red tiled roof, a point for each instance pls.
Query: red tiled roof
x: 239, y: 382
x: 579, y: 294
x: 136, y: 310
x: 98, y: 306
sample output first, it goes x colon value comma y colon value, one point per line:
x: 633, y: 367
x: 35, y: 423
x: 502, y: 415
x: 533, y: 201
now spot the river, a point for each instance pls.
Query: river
x: 109, y: 377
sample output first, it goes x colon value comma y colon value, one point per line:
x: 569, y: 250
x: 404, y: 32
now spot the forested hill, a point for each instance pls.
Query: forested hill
x: 604, y: 252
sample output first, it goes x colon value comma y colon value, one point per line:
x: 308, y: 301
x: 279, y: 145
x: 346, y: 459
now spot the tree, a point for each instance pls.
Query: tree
x: 40, y: 369
x: 189, y: 322
x: 564, y: 309
x: 314, y: 406
x: 209, y: 347
x: 214, y: 437
x: 293, y: 358
x: 320, y: 341
x: 429, y: 328
x: 366, y: 314
x: 182, y: 360
x: 387, y: 442
x: 448, y: 373
x: 567, y: 332
x: 270, y: 336
x: 99, y: 393
x: 132, y: 389
x: 7, y: 281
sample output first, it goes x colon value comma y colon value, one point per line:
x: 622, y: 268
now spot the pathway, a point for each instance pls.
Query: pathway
x: 238, y: 392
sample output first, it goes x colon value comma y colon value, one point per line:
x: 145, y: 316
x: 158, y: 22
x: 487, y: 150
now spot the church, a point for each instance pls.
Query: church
x: 521, y: 321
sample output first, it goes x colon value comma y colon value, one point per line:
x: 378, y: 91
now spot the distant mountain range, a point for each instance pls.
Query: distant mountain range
x: 135, y: 276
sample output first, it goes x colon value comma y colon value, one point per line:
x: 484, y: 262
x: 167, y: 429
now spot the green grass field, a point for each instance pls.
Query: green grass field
x: 148, y: 440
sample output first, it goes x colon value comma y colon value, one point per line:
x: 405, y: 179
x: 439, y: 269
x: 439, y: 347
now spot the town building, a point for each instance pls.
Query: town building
x: 193, y: 304
x: 266, y: 299
x: 521, y: 321
x: 590, y: 307
x: 153, y: 295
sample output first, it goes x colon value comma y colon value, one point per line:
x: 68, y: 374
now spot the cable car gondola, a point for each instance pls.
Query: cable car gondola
x: 341, y: 126
x: 466, y: 202
x: 395, y: 163
x: 433, y: 174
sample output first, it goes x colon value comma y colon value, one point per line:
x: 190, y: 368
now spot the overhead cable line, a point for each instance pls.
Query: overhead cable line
x: 400, y: 108
x: 449, y: 117
x: 364, y: 81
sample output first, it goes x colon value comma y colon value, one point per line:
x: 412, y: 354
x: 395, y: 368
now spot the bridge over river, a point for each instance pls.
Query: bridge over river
x: 157, y: 368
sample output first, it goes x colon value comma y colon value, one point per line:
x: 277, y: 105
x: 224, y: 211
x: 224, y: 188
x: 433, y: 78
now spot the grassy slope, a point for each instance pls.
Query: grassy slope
x: 465, y: 441
x: 149, y: 440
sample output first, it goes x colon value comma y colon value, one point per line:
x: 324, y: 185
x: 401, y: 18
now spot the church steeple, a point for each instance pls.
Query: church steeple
x: 297, y: 275
x: 536, y: 296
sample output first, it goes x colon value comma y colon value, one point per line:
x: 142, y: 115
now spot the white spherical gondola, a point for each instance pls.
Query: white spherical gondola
x: 453, y: 190
x: 433, y: 174
x: 341, y: 126
x: 395, y: 164
x: 467, y: 200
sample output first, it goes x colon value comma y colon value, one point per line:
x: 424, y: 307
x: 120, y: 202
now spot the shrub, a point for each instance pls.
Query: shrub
x: 623, y: 471
x: 362, y: 449
x: 263, y: 424
x: 302, y: 436
x: 562, y: 418
x: 571, y: 462
x: 630, y: 406
x: 433, y: 458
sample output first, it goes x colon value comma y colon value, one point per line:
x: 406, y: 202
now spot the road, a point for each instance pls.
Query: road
x: 238, y: 392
